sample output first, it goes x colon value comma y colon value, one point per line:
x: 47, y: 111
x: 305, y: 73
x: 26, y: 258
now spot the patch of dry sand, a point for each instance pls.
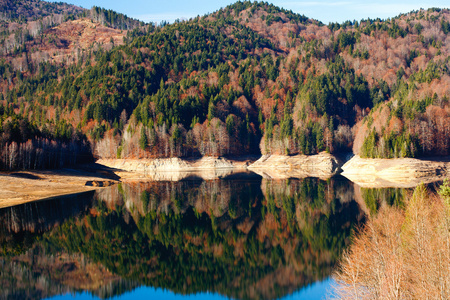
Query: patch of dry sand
x: 21, y: 187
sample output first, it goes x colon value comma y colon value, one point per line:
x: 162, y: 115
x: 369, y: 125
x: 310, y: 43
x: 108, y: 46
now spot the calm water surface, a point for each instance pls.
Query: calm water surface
x: 238, y: 237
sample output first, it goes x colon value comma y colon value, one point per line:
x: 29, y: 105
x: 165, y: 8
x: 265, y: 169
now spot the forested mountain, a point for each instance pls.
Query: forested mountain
x: 247, y: 79
x: 31, y: 10
x: 38, y: 37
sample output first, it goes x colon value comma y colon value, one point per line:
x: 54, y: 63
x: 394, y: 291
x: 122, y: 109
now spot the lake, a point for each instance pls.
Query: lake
x: 241, y: 236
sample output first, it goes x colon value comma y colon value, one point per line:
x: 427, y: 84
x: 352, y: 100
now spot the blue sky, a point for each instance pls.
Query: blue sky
x: 322, y: 10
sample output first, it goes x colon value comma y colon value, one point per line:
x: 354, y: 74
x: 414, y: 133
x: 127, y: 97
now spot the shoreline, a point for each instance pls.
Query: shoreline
x: 21, y: 187
x: 322, y: 165
x: 396, y: 172
x: 28, y: 186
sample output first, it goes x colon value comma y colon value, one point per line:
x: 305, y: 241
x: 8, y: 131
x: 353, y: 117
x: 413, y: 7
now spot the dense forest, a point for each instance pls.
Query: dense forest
x: 54, y: 145
x: 250, y: 78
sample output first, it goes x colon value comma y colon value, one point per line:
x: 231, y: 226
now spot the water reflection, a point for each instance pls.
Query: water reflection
x: 241, y: 236
x: 316, y: 291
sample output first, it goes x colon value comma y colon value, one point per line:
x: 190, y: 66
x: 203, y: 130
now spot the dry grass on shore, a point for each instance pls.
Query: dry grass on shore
x: 402, y: 253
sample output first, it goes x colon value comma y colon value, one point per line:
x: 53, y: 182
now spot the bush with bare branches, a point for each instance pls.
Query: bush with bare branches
x: 401, y: 253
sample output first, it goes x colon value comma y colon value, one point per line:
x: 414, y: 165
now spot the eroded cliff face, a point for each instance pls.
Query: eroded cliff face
x: 152, y: 167
x: 399, y: 172
x: 322, y: 165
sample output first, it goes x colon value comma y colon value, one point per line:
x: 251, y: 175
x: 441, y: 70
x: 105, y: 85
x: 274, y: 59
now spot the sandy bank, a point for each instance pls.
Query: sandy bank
x: 21, y: 187
x: 322, y: 165
x: 174, y: 169
x: 399, y: 172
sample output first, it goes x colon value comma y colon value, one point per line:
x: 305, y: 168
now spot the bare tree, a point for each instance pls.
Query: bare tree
x: 400, y: 254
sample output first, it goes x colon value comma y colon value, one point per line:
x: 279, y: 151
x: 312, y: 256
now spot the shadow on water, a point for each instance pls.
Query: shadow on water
x: 240, y: 236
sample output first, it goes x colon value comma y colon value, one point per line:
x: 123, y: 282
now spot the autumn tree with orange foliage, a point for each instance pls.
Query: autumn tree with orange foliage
x: 401, y: 253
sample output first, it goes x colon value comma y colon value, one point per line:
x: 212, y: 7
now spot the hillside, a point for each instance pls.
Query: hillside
x: 31, y: 10
x: 250, y: 78
x: 34, y: 31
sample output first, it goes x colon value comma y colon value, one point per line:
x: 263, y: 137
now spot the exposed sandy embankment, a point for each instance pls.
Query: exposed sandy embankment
x: 322, y: 165
x: 21, y: 187
x: 399, y: 172
x: 174, y: 169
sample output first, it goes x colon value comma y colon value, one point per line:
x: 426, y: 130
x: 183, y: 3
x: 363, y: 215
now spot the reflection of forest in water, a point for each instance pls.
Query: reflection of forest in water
x: 241, y: 236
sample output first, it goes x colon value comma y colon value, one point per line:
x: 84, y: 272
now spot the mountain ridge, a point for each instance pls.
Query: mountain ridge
x: 247, y: 79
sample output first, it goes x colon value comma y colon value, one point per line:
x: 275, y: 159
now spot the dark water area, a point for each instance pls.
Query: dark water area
x: 241, y: 237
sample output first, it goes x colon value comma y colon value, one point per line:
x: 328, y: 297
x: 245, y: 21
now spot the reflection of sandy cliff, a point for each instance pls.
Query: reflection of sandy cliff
x: 206, y: 174
x: 373, y: 181
x: 323, y: 165
x: 174, y: 169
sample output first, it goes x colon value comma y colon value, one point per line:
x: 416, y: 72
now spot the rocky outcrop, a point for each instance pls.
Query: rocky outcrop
x: 399, y: 172
x: 175, y: 168
x: 322, y: 165
x: 171, y: 164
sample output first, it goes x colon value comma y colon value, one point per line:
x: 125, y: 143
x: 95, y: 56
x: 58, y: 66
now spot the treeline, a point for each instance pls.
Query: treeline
x: 327, y: 106
x: 112, y: 19
x: 30, y: 10
x: 272, y: 10
x: 24, y: 146
x: 212, y: 138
